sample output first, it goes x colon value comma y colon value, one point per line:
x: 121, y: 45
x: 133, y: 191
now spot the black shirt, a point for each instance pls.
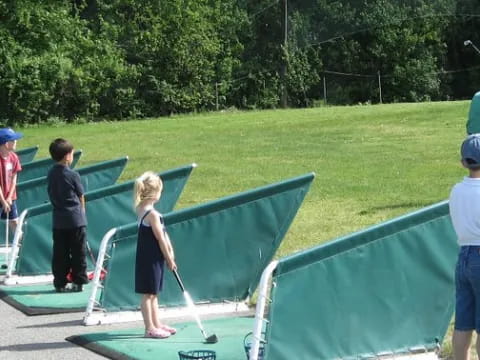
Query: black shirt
x: 64, y: 189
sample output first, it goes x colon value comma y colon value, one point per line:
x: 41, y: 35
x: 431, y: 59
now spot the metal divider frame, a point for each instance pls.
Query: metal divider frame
x: 93, y: 317
x: 263, y: 298
x: 12, y: 261
x: 418, y: 353
x: 101, y: 258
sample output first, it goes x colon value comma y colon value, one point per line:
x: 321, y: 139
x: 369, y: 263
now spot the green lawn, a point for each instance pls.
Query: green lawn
x: 372, y: 163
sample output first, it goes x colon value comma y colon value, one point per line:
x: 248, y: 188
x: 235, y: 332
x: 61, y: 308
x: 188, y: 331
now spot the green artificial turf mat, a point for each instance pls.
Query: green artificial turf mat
x: 42, y: 299
x: 130, y: 344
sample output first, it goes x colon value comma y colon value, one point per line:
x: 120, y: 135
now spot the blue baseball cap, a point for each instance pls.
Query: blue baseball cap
x: 471, y: 151
x: 7, y: 134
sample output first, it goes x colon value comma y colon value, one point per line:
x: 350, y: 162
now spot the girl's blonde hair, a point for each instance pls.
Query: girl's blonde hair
x: 147, y: 186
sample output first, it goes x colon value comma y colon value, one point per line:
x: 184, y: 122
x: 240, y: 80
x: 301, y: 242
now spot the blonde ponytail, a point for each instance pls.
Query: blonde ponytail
x: 147, y: 186
x: 137, y: 190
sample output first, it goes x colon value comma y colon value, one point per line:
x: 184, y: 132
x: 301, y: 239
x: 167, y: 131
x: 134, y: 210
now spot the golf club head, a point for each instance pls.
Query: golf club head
x: 467, y: 42
x: 212, y: 339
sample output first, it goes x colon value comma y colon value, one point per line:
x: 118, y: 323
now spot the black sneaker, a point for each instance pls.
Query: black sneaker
x: 61, y: 289
x: 77, y: 288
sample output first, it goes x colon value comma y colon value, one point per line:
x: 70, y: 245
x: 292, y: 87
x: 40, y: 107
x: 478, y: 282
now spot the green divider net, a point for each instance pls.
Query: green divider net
x: 34, y: 192
x: 473, y: 122
x: 221, y: 247
x: 106, y: 208
x: 39, y: 168
x: 389, y: 288
x: 26, y: 155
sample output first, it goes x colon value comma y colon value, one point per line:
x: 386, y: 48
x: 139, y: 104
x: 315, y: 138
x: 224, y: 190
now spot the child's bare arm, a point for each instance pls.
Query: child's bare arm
x: 169, y: 245
x: 4, y: 202
x: 163, y: 241
x: 82, y: 201
x: 12, y: 189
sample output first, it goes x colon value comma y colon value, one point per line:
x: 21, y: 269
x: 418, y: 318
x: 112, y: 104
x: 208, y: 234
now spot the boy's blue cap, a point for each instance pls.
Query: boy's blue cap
x: 7, y: 134
x: 471, y: 151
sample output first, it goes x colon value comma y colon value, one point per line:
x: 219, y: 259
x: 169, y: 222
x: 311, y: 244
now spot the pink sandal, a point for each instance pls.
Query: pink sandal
x: 168, y: 329
x: 157, y: 334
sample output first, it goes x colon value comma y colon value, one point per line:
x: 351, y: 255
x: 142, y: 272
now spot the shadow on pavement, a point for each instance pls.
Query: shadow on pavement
x: 37, y: 346
x: 53, y: 324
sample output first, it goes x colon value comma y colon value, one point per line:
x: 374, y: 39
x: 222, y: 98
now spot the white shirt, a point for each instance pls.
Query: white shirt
x: 465, y: 211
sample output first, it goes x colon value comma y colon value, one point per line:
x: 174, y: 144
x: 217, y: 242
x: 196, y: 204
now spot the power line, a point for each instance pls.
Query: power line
x: 347, y: 74
x: 251, y: 17
x: 393, y: 22
x: 444, y: 72
x: 459, y: 70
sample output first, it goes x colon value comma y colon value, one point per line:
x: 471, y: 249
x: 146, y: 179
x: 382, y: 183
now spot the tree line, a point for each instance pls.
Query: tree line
x: 117, y: 59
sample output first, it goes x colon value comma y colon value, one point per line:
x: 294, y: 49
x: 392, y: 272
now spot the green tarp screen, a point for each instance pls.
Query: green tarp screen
x: 39, y: 168
x: 221, y: 247
x: 26, y: 155
x: 387, y: 289
x: 34, y: 192
x: 106, y: 208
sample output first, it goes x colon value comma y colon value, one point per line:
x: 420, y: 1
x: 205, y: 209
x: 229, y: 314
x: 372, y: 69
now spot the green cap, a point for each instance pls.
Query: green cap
x: 473, y: 122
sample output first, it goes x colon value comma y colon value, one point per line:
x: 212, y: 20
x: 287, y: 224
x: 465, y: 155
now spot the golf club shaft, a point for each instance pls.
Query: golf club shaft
x: 190, y: 303
x: 193, y: 310
x: 89, y: 249
x: 212, y: 339
x: 6, y: 239
x: 179, y: 281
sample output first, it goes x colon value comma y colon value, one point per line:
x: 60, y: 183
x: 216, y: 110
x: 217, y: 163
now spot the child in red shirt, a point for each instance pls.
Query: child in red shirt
x: 9, y: 167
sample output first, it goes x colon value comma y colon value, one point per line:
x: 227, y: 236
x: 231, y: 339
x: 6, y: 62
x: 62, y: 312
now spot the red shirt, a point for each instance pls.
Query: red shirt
x: 9, y: 166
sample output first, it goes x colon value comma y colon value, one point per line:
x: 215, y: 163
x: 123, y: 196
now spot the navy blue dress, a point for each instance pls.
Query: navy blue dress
x: 149, y: 261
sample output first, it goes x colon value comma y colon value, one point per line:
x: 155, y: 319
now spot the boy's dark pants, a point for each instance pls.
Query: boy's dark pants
x: 69, y: 253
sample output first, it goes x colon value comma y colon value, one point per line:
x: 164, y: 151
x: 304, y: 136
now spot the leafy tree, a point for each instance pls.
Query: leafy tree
x: 181, y: 48
x: 55, y: 66
x: 124, y: 58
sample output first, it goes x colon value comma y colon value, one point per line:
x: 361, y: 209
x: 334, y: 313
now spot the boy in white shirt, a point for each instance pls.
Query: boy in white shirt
x: 465, y: 214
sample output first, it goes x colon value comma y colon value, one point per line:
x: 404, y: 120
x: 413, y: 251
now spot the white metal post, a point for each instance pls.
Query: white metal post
x: 98, y: 271
x: 16, y: 244
x: 260, y: 309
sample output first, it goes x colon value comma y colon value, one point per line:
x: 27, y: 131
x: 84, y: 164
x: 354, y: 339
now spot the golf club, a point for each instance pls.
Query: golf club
x: 90, y: 274
x: 4, y: 266
x: 469, y: 42
x: 212, y: 339
x: 103, y: 273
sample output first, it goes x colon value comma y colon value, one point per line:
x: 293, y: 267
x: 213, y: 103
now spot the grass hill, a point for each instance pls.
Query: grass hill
x: 373, y: 163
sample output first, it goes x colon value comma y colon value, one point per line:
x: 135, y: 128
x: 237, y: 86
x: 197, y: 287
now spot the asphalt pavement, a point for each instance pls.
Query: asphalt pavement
x: 42, y: 337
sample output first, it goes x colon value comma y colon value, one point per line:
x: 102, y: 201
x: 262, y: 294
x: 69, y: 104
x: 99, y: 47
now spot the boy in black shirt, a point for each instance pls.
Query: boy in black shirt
x: 69, y: 221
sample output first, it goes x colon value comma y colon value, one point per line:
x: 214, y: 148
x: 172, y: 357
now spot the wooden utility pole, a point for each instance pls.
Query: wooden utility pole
x: 284, y: 72
x: 324, y: 90
x: 379, y: 87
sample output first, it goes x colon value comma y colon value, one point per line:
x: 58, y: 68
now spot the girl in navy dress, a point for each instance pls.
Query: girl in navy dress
x: 154, y: 249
